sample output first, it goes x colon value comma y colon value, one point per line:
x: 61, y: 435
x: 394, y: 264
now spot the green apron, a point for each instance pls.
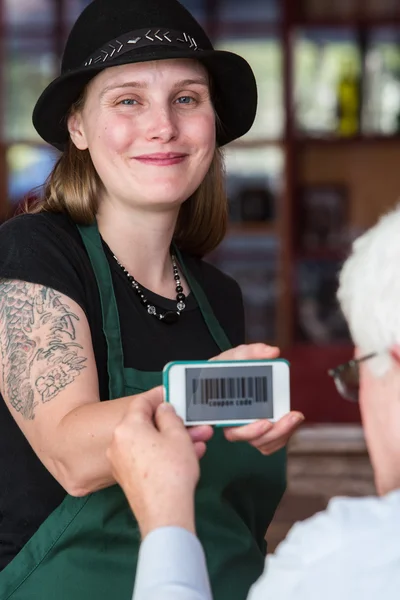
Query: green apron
x: 88, y: 547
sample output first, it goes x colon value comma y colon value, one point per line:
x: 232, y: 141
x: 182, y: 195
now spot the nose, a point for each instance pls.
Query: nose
x: 162, y: 125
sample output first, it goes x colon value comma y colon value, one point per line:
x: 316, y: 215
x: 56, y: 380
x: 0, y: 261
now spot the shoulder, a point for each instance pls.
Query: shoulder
x: 345, y: 522
x: 349, y: 550
x: 34, y: 224
x: 211, y: 276
x: 224, y: 295
x: 44, y: 249
x: 33, y: 234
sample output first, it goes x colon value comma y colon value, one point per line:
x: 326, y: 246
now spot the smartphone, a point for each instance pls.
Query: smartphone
x: 227, y: 393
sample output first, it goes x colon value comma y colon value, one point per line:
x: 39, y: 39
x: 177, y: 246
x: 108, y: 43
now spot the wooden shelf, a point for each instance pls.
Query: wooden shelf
x: 347, y: 23
x: 257, y: 143
x: 328, y: 439
x: 358, y: 139
x: 253, y: 228
x: 322, y: 255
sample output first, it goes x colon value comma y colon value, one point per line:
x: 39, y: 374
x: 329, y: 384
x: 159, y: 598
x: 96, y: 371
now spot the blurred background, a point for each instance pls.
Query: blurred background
x: 320, y: 165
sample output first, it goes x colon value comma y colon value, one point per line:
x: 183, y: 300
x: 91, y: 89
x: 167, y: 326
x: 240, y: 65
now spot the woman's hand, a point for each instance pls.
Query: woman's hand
x: 267, y: 437
x: 249, y: 352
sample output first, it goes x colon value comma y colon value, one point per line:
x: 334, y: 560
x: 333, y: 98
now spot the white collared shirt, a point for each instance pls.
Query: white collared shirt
x: 351, y: 551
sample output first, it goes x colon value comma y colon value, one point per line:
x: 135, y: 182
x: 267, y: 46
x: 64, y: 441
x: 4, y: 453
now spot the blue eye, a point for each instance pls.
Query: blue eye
x: 185, y: 100
x: 128, y: 101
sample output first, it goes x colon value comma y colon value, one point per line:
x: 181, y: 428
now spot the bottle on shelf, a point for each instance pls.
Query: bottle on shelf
x: 348, y: 102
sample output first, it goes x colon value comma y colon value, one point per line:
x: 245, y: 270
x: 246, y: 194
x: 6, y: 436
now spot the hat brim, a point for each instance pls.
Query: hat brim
x: 234, y: 92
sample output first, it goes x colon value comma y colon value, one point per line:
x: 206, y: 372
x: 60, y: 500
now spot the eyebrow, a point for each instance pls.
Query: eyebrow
x: 142, y: 85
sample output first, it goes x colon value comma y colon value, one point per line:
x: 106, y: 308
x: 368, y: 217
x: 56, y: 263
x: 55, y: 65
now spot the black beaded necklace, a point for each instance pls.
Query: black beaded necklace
x: 169, y: 316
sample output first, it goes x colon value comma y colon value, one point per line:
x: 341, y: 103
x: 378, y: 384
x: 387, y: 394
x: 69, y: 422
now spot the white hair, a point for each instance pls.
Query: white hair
x: 369, y: 290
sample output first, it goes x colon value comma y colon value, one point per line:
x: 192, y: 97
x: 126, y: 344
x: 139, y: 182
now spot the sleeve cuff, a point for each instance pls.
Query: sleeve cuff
x: 172, y: 555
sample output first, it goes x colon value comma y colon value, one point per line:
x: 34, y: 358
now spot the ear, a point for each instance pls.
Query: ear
x: 77, y: 131
x: 395, y: 353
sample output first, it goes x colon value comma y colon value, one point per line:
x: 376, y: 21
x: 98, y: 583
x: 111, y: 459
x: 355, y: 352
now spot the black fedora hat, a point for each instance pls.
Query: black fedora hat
x: 117, y: 32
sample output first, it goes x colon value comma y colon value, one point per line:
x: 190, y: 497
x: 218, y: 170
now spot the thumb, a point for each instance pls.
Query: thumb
x: 167, y: 420
x: 143, y: 406
x: 154, y: 397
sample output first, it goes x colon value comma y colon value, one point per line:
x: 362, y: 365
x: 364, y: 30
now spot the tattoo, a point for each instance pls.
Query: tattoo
x: 39, y: 354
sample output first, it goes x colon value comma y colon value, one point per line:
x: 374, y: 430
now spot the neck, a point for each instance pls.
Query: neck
x: 380, y: 412
x: 384, y: 451
x: 386, y: 483
x: 386, y: 471
x: 139, y: 239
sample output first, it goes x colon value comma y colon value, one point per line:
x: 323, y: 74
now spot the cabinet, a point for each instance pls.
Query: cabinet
x: 342, y: 60
x: 319, y: 166
x: 336, y: 132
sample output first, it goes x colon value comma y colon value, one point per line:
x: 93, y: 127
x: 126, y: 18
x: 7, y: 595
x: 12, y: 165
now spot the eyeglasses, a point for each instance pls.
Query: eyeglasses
x: 347, y: 377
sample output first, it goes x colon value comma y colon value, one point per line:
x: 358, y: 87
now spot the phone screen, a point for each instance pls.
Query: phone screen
x: 229, y: 393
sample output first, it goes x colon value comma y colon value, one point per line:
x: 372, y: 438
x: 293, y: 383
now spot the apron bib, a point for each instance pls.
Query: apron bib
x: 88, y: 547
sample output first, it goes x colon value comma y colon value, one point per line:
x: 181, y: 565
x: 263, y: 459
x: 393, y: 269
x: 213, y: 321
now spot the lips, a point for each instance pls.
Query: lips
x: 162, y: 158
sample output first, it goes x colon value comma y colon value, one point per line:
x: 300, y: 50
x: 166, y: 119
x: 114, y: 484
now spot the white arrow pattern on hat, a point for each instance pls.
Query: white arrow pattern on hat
x: 105, y: 55
x: 110, y: 54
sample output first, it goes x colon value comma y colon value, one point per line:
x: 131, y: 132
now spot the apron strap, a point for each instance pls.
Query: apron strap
x: 219, y: 335
x: 111, y: 326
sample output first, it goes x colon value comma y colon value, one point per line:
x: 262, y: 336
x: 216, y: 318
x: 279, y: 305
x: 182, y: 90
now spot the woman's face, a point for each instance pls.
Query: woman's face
x: 150, y: 130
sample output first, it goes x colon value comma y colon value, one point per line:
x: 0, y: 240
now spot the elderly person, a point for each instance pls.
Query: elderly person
x: 102, y: 284
x: 350, y: 551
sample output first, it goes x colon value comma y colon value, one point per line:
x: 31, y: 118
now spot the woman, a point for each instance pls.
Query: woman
x: 102, y: 284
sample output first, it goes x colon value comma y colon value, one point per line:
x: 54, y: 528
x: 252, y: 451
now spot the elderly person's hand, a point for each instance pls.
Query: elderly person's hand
x: 267, y: 437
x: 155, y: 459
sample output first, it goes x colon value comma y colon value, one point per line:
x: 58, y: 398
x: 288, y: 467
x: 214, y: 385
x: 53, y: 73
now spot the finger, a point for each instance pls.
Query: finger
x: 290, y: 422
x: 167, y: 420
x: 249, y: 352
x: 269, y: 449
x: 280, y: 433
x: 247, y: 433
x: 201, y: 433
x: 200, y: 448
x: 265, y: 429
x: 143, y: 406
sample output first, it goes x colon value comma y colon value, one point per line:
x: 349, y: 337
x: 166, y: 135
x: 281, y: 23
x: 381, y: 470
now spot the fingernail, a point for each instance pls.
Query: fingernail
x: 166, y: 406
x: 297, y: 418
x: 266, y: 425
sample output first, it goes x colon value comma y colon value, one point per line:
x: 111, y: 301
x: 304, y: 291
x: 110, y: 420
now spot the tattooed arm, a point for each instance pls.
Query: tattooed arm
x: 48, y: 379
x: 40, y: 354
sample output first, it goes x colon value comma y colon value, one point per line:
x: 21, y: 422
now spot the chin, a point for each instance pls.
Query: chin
x: 164, y: 197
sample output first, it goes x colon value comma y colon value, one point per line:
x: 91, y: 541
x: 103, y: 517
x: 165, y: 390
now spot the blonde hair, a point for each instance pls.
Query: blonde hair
x: 74, y: 187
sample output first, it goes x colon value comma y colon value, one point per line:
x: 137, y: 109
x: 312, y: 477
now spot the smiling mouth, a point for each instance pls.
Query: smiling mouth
x: 162, y: 160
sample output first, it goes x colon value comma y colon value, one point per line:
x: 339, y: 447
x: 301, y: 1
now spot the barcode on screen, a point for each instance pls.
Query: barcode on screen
x: 230, y: 388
